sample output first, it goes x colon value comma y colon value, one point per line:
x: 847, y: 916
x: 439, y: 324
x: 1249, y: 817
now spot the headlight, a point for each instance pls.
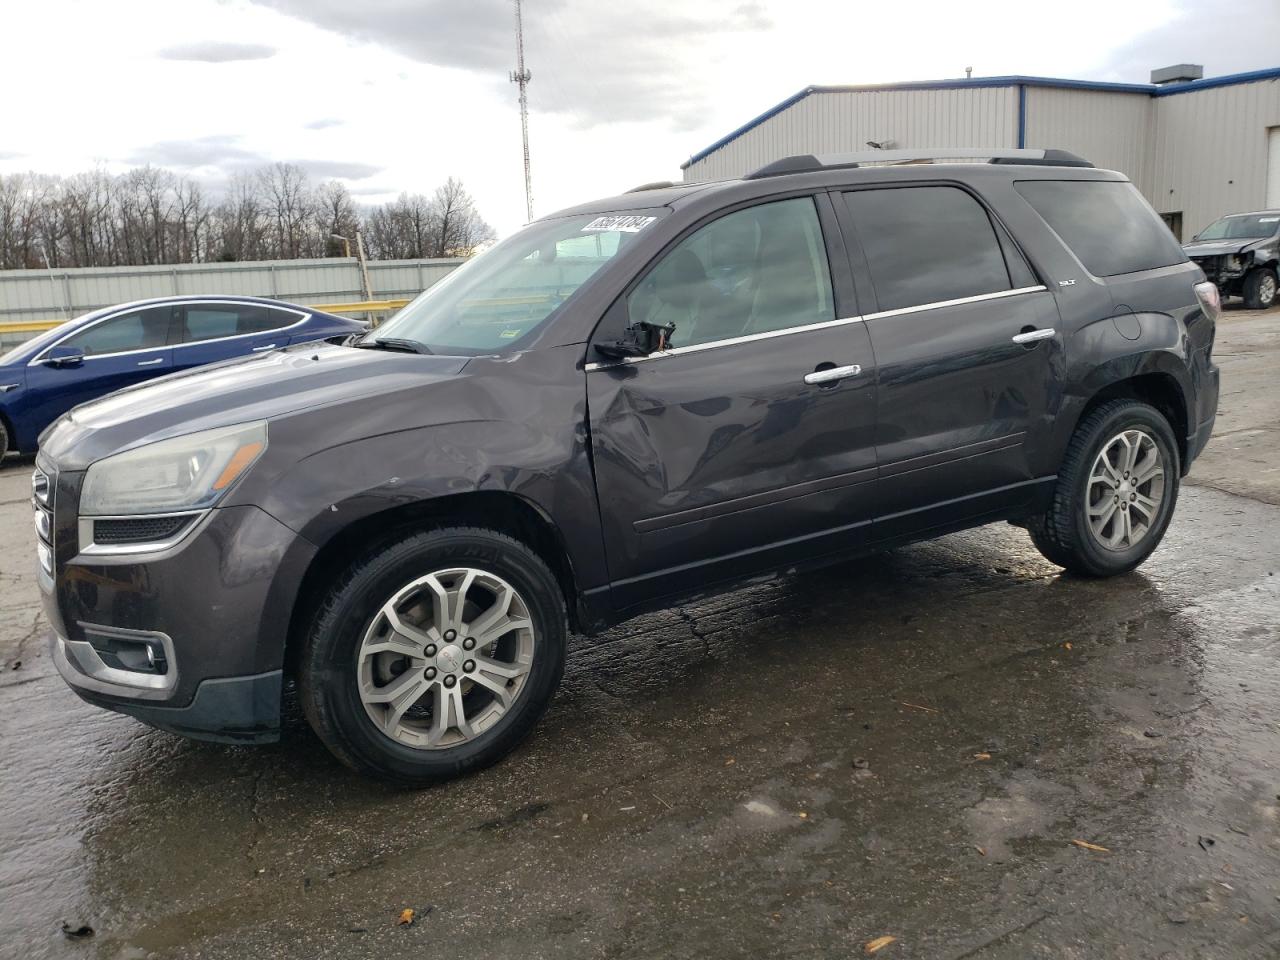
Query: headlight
x: 1231, y: 262
x: 185, y: 473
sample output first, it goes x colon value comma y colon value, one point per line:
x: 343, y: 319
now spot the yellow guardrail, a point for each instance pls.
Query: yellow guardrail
x: 364, y: 306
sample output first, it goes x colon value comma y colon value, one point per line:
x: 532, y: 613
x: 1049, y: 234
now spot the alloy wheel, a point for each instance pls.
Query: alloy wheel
x: 446, y: 658
x: 1125, y: 490
x: 1267, y: 290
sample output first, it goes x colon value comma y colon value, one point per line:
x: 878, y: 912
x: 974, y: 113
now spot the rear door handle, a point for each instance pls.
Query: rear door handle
x: 269, y: 346
x: 1031, y: 336
x: 150, y: 363
x: 832, y: 374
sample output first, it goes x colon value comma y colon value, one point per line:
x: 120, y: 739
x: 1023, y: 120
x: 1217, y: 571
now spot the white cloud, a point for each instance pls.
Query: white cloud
x: 416, y: 90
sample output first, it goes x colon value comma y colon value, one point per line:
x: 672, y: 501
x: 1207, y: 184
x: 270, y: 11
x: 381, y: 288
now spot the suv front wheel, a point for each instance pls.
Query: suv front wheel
x: 1260, y: 289
x: 434, y: 655
x: 1115, y: 492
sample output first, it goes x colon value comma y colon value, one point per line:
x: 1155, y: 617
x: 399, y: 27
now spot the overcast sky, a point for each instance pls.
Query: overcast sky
x: 396, y: 95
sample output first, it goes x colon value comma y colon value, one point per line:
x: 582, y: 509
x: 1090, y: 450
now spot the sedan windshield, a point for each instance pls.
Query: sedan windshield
x: 504, y: 294
x: 36, y: 344
x: 1243, y: 227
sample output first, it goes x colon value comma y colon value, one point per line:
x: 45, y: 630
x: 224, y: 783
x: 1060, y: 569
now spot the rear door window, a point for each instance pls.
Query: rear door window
x: 215, y: 321
x: 1106, y: 223
x: 929, y: 244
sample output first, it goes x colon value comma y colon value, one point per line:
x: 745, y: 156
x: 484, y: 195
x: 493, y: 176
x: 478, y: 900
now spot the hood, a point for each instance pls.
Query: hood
x: 1217, y: 248
x: 238, y: 391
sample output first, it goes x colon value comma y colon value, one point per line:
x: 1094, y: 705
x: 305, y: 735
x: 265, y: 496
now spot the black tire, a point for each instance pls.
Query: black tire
x: 327, y: 679
x: 1259, y: 289
x: 4, y: 439
x: 1063, y: 533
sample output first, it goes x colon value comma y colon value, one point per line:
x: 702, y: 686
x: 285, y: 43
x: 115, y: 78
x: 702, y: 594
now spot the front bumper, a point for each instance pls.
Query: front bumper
x: 215, y: 608
x: 223, y: 710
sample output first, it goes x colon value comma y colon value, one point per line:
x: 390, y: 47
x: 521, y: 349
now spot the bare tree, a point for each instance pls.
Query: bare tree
x: 288, y: 199
x: 149, y: 215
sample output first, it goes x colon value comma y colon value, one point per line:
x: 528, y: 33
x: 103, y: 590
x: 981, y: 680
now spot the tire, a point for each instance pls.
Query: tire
x: 338, y: 675
x: 1065, y: 533
x: 4, y: 439
x: 1260, y: 289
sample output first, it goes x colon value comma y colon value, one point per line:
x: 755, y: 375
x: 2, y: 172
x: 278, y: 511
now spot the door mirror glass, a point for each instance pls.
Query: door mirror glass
x: 64, y: 356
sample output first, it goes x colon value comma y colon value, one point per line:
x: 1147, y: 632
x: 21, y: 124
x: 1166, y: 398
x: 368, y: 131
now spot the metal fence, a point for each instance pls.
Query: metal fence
x: 32, y: 299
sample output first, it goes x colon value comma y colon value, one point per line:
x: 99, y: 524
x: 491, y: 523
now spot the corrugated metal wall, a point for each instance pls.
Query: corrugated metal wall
x: 1210, y: 151
x: 32, y: 295
x: 843, y: 121
x: 1111, y: 130
x: 1202, y: 153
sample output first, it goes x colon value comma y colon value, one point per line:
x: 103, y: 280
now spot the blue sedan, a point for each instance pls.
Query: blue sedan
x: 103, y: 351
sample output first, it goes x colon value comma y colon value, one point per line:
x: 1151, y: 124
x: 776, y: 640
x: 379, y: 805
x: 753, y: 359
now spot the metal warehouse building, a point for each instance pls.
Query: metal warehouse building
x: 1196, y: 148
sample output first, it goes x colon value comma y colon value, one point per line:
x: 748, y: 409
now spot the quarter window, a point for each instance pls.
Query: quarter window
x: 753, y: 271
x: 1106, y: 223
x: 929, y: 244
x: 140, y: 330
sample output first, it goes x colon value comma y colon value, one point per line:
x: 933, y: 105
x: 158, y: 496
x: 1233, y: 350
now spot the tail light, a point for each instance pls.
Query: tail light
x: 1210, y: 300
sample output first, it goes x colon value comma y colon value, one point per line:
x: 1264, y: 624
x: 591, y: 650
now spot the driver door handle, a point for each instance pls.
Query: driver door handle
x: 1031, y: 336
x: 263, y: 348
x: 150, y: 363
x: 831, y: 374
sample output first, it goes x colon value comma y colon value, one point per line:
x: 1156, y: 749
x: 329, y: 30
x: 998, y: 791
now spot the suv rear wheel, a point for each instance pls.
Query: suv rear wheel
x: 1260, y: 289
x: 1115, y: 492
x: 435, y: 655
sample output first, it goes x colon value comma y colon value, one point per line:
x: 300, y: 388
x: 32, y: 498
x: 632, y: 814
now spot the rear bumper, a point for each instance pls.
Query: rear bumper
x: 223, y: 710
x: 1198, y: 441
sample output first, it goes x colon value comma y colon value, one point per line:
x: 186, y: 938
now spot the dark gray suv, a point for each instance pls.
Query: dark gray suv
x: 631, y: 402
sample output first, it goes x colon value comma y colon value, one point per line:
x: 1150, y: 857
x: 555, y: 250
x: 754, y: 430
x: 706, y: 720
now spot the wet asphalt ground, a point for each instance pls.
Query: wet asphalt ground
x: 906, y: 746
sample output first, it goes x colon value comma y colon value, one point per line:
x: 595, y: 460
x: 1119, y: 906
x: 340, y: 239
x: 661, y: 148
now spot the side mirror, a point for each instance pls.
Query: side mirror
x: 639, y: 340
x: 61, y: 356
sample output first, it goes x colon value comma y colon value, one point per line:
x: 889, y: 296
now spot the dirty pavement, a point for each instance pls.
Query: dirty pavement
x: 951, y: 745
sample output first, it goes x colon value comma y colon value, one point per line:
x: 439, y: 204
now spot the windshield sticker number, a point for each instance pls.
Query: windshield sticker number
x: 629, y: 224
x: 509, y: 334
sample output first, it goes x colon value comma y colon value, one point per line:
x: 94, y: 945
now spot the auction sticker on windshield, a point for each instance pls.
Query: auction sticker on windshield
x: 628, y: 224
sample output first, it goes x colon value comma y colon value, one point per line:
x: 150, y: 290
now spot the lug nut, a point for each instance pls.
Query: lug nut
x: 468, y: 643
x: 431, y: 650
x: 1133, y: 496
x: 468, y: 666
x: 430, y: 673
x: 450, y: 634
x: 450, y: 680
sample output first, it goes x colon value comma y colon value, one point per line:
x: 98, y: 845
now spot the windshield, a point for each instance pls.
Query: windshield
x: 1243, y: 227
x: 35, y: 344
x: 504, y: 294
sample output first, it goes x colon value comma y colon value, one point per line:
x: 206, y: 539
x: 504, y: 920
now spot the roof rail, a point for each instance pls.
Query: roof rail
x: 807, y: 163
x: 656, y: 185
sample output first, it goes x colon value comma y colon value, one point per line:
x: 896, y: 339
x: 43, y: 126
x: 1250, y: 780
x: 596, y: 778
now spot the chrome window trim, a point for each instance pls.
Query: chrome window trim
x: 303, y: 317
x: 959, y: 301
x: 809, y: 327
x: 100, y: 551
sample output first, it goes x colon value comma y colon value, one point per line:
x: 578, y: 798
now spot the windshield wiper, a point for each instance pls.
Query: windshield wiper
x: 394, y: 343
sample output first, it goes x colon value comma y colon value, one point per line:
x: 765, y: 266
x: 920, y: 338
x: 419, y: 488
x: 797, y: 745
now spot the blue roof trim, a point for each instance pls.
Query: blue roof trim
x: 1230, y: 80
x: 1014, y: 80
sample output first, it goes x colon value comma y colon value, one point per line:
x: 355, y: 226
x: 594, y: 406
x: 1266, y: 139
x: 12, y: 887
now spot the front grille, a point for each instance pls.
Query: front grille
x: 138, y: 529
x: 42, y: 488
